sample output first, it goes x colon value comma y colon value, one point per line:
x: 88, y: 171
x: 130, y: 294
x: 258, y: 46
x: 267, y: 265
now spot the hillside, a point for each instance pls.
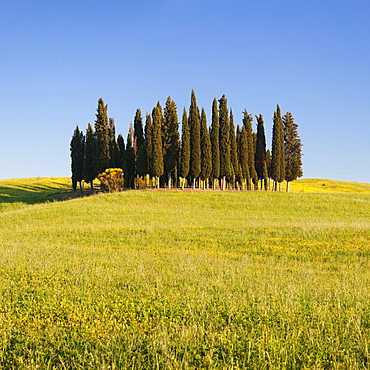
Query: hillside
x: 39, y: 190
x: 149, y: 279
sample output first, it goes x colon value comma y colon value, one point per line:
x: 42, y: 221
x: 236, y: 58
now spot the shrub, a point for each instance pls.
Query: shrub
x: 112, y: 179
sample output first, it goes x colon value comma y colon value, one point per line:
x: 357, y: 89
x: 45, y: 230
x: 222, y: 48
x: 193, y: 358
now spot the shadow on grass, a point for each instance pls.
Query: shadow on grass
x: 31, y: 192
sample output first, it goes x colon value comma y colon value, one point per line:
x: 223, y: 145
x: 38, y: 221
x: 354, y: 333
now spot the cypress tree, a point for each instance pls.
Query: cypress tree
x: 113, y: 148
x: 139, y: 145
x: 260, y: 155
x: 89, y: 164
x: 205, y: 149
x: 102, y: 136
x: 278, y: 152
x: 255, y: 177
x: 77, y: 157
x: 130, y: 159
x: 185, y: 148
x: 121, y: 151
x: 149, y: 143
x: 215, y: 143
x: 268, y: 165
x: 138, y: 131
x: 195, y: 153
x: 225, y: 161
x: 171, y: 139
x: 157, y: 150
x: 243, y: 156
x: 247, y: 123
x: 293, y: 150
x: 233, y: 150
x: 239, y: 178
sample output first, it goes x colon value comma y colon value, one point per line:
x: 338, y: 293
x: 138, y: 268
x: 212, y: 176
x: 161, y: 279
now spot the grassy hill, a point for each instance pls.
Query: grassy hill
x: 184, y: 280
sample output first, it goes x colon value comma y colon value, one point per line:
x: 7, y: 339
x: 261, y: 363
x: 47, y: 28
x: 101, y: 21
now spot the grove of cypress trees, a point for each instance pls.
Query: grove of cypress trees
x: 170, y: 139
x: 277, y: 150
x: 102, y: 136
x: 185, y: 148
x: 77, y: 157
x: 293, y: 150
x: 215, y: 143
x: 216, y: 153
x: 157, y: 150
x: 205, y: 150
x: 247, y: 123
x: 194, y: 124
x: 89, y: 164
x: 260, y: 155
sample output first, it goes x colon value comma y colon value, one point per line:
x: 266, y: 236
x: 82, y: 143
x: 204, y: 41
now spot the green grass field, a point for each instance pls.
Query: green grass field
x: 184, y: 279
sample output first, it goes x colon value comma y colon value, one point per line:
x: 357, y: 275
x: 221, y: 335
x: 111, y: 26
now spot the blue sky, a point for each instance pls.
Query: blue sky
x: 59, y: 57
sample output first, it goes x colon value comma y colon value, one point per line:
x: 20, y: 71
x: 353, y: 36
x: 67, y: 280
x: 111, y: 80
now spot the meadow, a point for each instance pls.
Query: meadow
x: 185, y: 279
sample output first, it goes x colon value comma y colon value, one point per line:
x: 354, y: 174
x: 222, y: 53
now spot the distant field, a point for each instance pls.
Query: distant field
x: 330, y: 186
x: 184, y: 280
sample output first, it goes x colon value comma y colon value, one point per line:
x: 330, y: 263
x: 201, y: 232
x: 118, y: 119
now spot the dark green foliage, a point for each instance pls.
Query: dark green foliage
x: 205, y: 148
x: 139, y: 146
x: 194, y: 124
x: 293, y: 149
x: 102, y: 136
x: 225, y: 161
x: 121, y: 151
x: 185, y: 147
x: 215, y: 142
x: 260, y: 154
x: 247, y: 123
x: 278, y: 152
x: 129, y: 170
x: 268, y: 163
x: 89, y: 164
x: 157, y: 150
x: 243, y: 156
x: 77, y: 157
x: 149, y: 143
x: 113, y: 147
x: 170, y: 139
x: 233, y: 150
x: 138, y: 131
x: 265, y: 176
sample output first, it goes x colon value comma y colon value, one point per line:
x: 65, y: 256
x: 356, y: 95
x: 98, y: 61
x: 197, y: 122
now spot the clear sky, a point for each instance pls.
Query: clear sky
x: 59, y: 57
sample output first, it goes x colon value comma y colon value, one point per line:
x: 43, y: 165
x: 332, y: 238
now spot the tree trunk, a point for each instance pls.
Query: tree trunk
x: 169, y: 180
x: 224, y: 183
x: 287, y: 186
